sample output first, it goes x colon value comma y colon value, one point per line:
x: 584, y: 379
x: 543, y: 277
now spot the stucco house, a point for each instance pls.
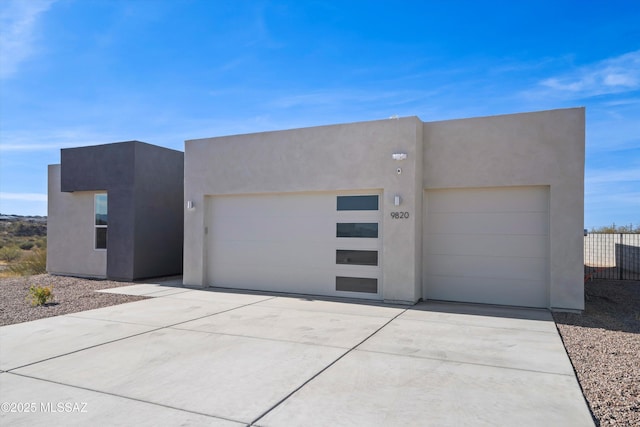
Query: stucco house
x: 115, y: 211
x: 483, y: 210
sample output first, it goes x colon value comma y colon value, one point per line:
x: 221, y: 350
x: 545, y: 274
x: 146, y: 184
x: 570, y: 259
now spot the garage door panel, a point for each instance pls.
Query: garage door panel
x: 361, y: 244
x: 489, y: 200
x: 272, y: 205
x: 449, y: 288
x: 281, y: 228
x: 488, y: 266
x: 481, y: 244
x: 490, y: 223
x: 358, y: 271
x: 487, y: 245
x: 269, y: 278
x: 284, y: 242
x: 280, y: 254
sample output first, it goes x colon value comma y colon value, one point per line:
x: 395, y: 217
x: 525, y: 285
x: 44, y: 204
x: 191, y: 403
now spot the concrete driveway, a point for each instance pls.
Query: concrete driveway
x: 223, y: 358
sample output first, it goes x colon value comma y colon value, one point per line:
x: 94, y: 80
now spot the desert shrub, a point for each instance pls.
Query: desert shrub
x: 40, y: 295
x: 30, y: 229
x: 41, y: 243
x: 10, y: 253
x: 26, y: 246
x: 34, y: 263
x: 613, y: 228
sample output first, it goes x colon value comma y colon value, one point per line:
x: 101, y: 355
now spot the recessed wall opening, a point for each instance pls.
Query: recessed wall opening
x: 357, y: 203
x: 356, y: 284
x: 356, y: 257
x: 357, y: 229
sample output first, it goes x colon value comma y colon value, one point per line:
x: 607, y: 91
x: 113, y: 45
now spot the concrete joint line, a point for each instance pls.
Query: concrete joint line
x: 215, y: 314
x: 461, y: 362
x: 122, y: 397
x: 503, y: 328
x: 132, y: 336
x: 258, y: 338
x: 150, y: 294
x: 317, y: 374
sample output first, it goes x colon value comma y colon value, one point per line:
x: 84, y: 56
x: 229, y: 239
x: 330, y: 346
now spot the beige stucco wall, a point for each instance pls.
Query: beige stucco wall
x: 70, y: 232
x: 531, y: 149
x: 539, y: 148
x: 326, y: 158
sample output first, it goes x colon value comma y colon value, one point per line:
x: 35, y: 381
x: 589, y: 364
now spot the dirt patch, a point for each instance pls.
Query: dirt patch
x: 71, y: 295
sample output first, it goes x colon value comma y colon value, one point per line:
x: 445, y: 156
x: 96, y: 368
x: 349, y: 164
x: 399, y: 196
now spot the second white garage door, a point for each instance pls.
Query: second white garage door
x: 487, y: 245
x: 295, y: 243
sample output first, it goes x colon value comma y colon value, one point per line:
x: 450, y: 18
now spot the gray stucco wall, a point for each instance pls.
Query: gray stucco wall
x: 144, y: 184
x: 528, y: 149
x: 326, y: 158
x: 70, y: 232
x: 109, y: 168
x: 531, y: 149
x: 159, y: 222
x: 98, y: 167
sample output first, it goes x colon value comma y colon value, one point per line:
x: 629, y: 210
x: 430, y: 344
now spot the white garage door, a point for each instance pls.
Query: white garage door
x: 487, y: 245
x: 295, y: 243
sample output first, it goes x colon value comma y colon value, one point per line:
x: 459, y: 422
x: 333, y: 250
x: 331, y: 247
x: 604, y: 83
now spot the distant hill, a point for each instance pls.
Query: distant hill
x: 18, y: 218
x: 23, y: 243
x: 23, y: 231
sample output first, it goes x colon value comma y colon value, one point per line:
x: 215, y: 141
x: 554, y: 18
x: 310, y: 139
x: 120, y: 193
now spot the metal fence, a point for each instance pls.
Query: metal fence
x: 612, y: 256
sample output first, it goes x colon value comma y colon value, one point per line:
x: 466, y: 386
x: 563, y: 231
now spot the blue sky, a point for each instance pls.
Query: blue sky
x: 84, y: 72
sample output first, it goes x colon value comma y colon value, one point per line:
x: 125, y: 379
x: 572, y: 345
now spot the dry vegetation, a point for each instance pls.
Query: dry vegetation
x: 70, y: 295
x: 23, y: 247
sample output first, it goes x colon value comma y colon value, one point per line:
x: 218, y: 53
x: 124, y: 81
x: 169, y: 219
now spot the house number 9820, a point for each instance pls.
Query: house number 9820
x: 399, y: 215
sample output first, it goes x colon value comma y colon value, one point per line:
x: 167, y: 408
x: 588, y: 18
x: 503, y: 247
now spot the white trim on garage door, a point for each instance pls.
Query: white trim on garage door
x: 487, y: 245
x: 287, y: 242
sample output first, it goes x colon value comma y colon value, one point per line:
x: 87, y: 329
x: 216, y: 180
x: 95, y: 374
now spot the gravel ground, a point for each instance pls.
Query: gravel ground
x: 603, y: 342
x: 604, y: 346
x: 70, y: 296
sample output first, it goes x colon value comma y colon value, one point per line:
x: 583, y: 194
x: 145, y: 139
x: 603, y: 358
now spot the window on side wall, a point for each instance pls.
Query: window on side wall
x: 101, y: 221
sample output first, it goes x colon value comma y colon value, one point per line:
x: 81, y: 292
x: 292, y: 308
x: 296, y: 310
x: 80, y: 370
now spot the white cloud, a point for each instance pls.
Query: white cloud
x: 35, y: 140
x: 612, y: 75
x: 36, y: 147
x: 612, y: 176
x: 339, y: 97
x: 18, y: 23
x: 618, y: 102
x: 605, y: 200
x: 24, y: 197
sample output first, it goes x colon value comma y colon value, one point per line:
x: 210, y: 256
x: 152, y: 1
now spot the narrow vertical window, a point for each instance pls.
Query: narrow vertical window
x: 101, y: 221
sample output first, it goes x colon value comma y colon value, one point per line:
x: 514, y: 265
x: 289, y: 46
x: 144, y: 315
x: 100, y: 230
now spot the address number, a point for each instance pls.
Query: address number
x: 399, y: 215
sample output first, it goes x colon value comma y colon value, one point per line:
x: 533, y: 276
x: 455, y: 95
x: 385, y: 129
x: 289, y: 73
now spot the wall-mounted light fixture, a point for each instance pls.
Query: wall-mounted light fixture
x: 190, y: 205
x: 399, y: 156
x: 397, y: 200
